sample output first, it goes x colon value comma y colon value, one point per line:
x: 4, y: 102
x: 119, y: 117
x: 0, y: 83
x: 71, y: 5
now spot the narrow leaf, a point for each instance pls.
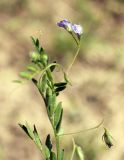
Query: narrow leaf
x: 32, y: 68
x: 48, y: 142
x: 17, y: 81
x: 33, y: 40
x: 62, y: 155
x: 46, y: 151
x: 60, y: 121
x: 34, y: 81
x: 30, y: 131
x: 26, y: 130
x: 60, y: 84
x: 37, y: 138
x: 25, y: 75
x: 57, y: 114
x: 52, y: 156
x: 37, y: 43
x: 53, y: 67
x: 61, y: 88
x: 79, y: 152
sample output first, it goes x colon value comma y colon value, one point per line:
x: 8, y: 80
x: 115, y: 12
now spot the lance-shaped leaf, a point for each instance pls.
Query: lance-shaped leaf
x: 60, y: 121
x: 53, y: 67
x: 43, y: 84
x: 58, y: 116
x: 33, y: 40
x: 37, y: 42
x: 46, y: 151
x: 48, y: 96
x: 62, y: 155
x: 32, y: 68
x: 79, y: 152
x: 37, y: 138
x: 61, y: 88
x: 17, y: 81
x: 48, y: 142
x: 34, y: 81
x: 27, y: 130
x: 60, y: 84
x: 53, y: 156
x: 52, y: 104
x: 26, y: 75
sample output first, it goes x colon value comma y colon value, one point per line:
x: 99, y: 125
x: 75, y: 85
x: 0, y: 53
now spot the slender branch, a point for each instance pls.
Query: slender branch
x: 70, y: 66
x: 75, y: 38
x: 73, y: 151
x: 58, y: 146
x: 85, y: 130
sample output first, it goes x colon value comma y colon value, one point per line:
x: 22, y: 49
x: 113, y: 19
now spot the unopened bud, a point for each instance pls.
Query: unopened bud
x: 108, y: 139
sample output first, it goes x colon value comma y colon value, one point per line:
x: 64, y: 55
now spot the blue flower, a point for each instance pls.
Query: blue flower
x: 71, y: 28
x: 66, y: 25
x: 77, y: 29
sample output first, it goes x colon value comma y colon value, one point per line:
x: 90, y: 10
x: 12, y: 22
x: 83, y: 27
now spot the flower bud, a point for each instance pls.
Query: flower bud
x: 66, y: 25
x: 44, y: 58
x: 107, y: 138
x: 35, y: 56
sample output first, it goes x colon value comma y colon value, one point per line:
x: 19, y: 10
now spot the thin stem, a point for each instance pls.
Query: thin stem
x: 85, y: 130
x: 70, y: 66
x: 73, y: 151
x: 75, y: 38
x: 58, y: 146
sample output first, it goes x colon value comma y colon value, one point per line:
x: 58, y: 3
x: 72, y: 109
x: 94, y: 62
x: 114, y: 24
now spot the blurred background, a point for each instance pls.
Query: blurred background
x: 97, y: 76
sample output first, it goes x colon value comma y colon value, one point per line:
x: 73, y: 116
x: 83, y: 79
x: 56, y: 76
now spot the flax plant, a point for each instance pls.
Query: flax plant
x: 40, y: 72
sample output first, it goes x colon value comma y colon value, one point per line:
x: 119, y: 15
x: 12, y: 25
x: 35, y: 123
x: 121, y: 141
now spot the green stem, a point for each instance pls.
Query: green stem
x: 85, y: 130
x: 58, y: 147
x: 70, y: 66
x: 73, y: 151
x: 77, y: 42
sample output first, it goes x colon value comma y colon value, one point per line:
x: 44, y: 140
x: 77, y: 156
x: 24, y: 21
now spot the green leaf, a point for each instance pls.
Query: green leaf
x: 46, y: 151
x: 37, y: 43
x: 62, y: 155
x: 34, y: 81
x: 26, y: 75
x: 33, y: 40
x: 60, y: 84
x: 48, y: 96
x: 48, y: 142
x: 79, y: 152
x: 52, y: 104
x: 37, y: 138
x: 32, y: 68
x: 17, y: 81
x: 41, y: 50
x: 42, y: 85
x: 53, y: 67
x: 28, y: 131
x: 57, y: 113
x: 58, y: 116
x: 60, y: 121
x: 58, y: 89
x: 52, y: 156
